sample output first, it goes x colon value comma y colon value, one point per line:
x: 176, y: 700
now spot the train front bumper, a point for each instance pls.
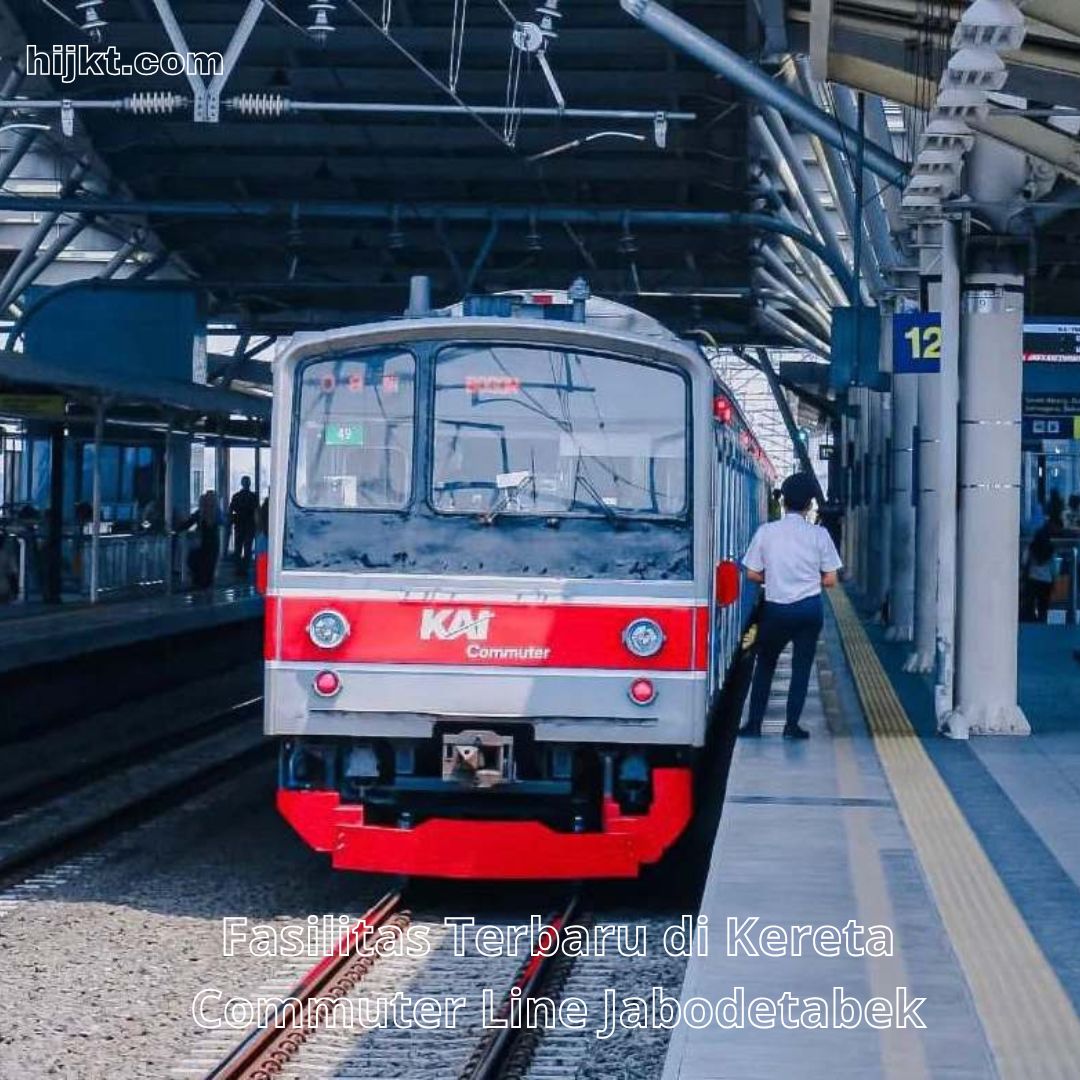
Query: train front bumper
x: 505, y: 850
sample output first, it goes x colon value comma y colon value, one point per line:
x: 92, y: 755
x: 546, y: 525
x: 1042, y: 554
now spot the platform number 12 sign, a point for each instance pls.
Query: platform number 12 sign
x: 917, y: 343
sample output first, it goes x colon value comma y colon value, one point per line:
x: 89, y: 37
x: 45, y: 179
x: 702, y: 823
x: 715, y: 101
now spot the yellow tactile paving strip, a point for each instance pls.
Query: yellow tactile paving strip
x: 1029, y: 1021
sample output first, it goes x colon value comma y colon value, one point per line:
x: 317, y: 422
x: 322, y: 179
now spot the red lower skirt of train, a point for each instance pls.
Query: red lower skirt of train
x: 453, y: 848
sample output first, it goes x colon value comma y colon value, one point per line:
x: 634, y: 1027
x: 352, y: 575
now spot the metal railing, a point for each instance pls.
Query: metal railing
x: 124, y: 561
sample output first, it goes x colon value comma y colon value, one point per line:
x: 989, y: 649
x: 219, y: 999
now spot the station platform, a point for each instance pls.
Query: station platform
x: 32, y: 634
x: 969, y: 852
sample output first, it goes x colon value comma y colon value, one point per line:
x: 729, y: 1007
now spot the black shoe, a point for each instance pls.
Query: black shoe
x: 748, y: 731
x: 793, y: 731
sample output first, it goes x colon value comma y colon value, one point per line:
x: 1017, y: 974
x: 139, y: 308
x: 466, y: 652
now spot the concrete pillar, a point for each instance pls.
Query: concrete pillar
x: 902, y: 503
x: 948, y: 402
x: 863, y: 456
x: 927, y: 513
x: 884, y: 513
x: 876, y: 505
x: 992, y: 308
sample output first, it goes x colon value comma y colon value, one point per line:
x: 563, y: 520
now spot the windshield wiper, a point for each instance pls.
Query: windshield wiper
x: 511, y: 485
x: 580, y: 480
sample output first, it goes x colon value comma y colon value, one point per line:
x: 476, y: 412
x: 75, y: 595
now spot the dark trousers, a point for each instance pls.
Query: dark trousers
x: 244, y: 540
x: 799, y: 623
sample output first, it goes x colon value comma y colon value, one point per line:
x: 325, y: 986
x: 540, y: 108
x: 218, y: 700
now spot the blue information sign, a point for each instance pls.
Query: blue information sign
x: 917, y: 343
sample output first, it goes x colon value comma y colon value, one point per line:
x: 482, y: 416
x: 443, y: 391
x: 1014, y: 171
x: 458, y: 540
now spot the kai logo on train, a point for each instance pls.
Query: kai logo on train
x: 449, y: 624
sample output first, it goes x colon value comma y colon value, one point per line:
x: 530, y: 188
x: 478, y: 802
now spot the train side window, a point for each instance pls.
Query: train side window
x: 355, y: 432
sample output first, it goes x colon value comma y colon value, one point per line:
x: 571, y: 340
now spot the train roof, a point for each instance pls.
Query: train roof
x: 600, y: 313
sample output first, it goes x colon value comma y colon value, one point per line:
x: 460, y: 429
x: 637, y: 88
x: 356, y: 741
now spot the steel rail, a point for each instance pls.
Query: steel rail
x: 493, y: 1053
x: 265, y: 1049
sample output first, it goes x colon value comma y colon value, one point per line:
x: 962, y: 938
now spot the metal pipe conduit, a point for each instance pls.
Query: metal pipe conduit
x: 786, y: 143
x: 795, y: 284
x: 750, y: 78
x: 877, y: 222
x: 876, y: 230
x: 257, y: 209
x: 791, y: 329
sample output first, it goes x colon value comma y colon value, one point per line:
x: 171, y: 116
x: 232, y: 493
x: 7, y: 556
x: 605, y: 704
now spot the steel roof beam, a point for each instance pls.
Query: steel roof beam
x: 430, y: 212
x: 754, y: 81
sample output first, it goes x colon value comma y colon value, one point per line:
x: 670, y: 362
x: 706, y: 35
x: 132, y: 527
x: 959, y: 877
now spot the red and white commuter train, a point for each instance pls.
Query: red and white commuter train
x: 499, y: 607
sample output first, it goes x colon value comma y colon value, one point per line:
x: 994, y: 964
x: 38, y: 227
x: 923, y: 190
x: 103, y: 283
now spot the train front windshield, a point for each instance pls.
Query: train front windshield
x: 521, y: 430
x: 444, y: 436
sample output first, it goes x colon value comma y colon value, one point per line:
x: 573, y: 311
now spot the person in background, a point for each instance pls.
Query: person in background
x: 794, y: 559
x: 1071, y: 520
x: 243, y: 519
x: 1039, y: 568
x: 202, y: 559
x: 9, y: 569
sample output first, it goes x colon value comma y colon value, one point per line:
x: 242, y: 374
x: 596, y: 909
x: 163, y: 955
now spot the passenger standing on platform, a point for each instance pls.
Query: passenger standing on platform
x: 202, y: 560
x: 243, y: 517
x: 1039, y: 572
x: 794, y: 560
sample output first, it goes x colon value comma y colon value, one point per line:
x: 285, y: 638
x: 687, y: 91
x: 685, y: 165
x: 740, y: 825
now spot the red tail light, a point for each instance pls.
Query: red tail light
x: 722, y: 409
x: 727, y: 583
x: 642, y: 692
x: 327, y: 683
x: 261, y: 572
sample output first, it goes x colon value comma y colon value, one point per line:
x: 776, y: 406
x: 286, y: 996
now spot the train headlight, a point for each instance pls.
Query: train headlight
x: 328, y: 629
x: 643, y: 637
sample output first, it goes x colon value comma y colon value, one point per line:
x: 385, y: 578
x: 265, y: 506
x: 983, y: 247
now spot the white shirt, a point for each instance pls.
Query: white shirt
x: 792, y: 554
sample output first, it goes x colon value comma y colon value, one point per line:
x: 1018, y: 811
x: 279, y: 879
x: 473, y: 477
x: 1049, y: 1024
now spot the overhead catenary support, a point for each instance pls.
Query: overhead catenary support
x: 750, y: 78
x: 180, y: 45
x: 207, y: 96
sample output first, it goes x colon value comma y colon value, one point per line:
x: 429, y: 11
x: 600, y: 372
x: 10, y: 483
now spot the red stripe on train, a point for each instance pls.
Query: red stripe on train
x: 500, y: 634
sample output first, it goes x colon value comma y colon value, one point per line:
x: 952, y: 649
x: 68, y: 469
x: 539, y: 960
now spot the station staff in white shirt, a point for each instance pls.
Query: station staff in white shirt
x: 794, y: 559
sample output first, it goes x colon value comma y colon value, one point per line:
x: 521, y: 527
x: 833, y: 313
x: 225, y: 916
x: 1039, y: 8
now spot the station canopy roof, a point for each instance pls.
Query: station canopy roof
x: 189, y: 405
x: 286, y: 271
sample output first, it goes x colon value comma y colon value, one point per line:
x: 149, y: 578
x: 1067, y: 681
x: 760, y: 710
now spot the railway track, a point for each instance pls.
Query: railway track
x: 58, y: 818
x: 66, y: 781
x: 295, y: 1042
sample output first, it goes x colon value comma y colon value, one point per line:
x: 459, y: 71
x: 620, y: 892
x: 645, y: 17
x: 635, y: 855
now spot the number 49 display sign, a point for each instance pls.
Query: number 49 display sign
x: 917, y: 343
